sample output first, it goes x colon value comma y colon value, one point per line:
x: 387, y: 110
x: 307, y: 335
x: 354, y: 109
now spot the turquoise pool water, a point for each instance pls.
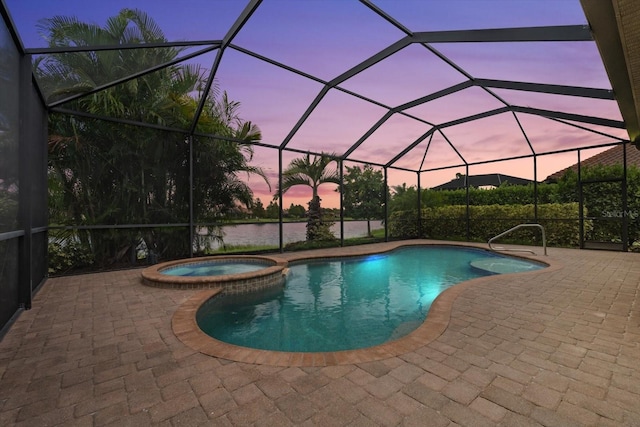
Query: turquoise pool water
x: 346, y: 304
x: 213, y: 268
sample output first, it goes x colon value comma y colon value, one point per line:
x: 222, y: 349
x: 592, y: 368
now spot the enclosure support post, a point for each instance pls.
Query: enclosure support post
x: 625, y: 216
x: 26, y: 153
x: 466, y: 185
x: 341, y: 165
x: 419, y: 207
x: 535, y: 187
x: 580, y: 203
x: 280, y: 228
x: 191, y: 184
x: 386, y: 207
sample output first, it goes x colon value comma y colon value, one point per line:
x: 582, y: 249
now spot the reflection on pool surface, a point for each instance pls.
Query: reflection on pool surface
x: 343, y: 304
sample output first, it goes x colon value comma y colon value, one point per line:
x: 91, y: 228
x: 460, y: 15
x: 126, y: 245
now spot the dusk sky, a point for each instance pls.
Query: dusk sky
x: 325, y: 38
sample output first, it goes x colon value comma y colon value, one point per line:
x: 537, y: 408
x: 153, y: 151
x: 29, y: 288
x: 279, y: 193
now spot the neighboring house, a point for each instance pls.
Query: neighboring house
x: 486, y: 181
x: 612, y: 156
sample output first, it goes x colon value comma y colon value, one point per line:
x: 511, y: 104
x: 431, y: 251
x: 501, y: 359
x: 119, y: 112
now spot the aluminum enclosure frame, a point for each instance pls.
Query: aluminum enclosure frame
x: 603, y: 15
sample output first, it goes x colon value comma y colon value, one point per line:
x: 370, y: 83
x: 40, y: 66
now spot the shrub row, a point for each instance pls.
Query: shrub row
x: 560, y: 221
x: 503, y: 195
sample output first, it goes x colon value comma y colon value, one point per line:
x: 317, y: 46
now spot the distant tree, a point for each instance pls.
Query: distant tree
x: 312, y: 172
x: 272, y: 211
x: 297, y: 211
x: 258, y: 208
x: 432, y: 198
x: 403, y: 198
x: 363, y: 194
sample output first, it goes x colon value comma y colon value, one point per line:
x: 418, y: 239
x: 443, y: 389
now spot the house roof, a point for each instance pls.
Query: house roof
x: 493, y: 179
x: 617, y: 34
x: 612, y: 156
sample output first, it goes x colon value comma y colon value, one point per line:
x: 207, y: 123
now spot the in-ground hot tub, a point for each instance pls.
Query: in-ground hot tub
x: 233, y: 274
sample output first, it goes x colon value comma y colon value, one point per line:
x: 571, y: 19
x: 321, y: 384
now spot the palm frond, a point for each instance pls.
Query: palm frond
x: 149, y: 29
x: 310, y: 171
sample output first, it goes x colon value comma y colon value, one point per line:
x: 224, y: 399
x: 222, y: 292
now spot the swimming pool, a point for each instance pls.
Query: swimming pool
x: 346, y: 304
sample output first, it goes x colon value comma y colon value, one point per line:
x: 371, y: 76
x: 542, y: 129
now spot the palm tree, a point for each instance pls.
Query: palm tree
x: 312, y: 172
x: 119, y: 174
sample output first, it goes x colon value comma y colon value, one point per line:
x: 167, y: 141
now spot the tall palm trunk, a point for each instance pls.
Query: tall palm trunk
x: 314, y: 221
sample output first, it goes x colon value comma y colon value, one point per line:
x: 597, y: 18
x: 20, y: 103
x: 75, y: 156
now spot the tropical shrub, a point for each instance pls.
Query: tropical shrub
x: 450, y: 223
x: 68, y: 255
x: 602, y: 190
x: 104, y: 173
x: 504, y: 195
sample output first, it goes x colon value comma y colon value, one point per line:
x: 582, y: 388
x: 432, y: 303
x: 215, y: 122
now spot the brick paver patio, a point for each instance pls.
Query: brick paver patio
x: 556, y: 348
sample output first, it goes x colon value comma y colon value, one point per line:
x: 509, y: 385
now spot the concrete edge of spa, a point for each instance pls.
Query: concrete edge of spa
x: 274, y: 270
x: 186, y: 328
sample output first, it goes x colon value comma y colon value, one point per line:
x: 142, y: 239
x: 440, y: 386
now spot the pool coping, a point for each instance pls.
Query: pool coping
x: 186, y: 329
x: 271, y: 275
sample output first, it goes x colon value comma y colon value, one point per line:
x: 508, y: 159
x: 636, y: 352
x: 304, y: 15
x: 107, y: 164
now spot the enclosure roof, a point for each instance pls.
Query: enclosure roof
x: 408, y: 85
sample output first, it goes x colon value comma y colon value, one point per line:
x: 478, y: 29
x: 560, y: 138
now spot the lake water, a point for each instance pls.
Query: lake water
x: 267, y: 234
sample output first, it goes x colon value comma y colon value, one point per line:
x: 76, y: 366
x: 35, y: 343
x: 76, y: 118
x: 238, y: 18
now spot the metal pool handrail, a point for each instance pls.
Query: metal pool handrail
x: 544, y: 239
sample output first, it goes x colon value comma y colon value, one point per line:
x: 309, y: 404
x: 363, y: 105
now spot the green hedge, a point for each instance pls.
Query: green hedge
x: 560, y: 221
x: 504, y: 195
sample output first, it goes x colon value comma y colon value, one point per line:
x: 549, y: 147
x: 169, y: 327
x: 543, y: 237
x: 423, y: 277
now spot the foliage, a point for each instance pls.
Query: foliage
x: 312, y: 244
x: 107, y: 174
x: 272, y: 211
x: 322, y: 230
x: 603, y: 201
x: 363, y: 194
x: 602, y: 195
x: 241, y: 249
x: 258, y: 209
x: 9, y: 172
x: 8, y: 211
x: 296, y: 211
x: 312, y: 172
x: 377, y: 236
x: 403, y: 198
x: 406, y: 198
x: 8, y: 177
x: 506, y: 194
x: 68, y: 255
x: 450, y: 223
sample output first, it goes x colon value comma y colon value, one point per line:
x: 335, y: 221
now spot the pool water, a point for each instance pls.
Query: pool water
x: 213, y: 268
x: 345, y: 304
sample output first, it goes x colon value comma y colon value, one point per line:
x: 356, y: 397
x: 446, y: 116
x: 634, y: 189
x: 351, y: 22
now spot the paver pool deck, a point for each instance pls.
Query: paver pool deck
x: 558, y: 347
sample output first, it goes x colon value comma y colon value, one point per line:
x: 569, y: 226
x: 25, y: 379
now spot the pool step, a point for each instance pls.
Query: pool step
x: 503, y: 265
